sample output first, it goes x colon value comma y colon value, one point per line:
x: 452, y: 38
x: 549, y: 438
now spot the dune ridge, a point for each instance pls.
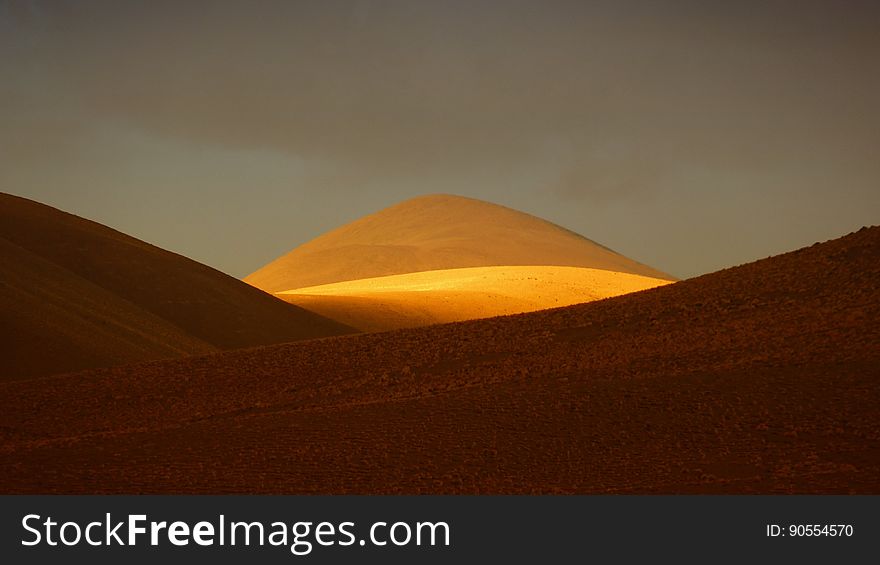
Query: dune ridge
x: 452, y: 295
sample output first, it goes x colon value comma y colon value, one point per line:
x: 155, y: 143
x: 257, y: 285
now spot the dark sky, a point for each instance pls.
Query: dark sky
x: 690, y: 135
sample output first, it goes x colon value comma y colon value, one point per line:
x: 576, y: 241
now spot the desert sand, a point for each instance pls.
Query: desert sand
x: 755, y: 379
x: 437, y: 232
x: 453, y: 295
x: 77, y: 294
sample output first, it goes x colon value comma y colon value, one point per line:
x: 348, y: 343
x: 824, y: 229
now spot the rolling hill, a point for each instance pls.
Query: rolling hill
x: 437, y: 232
x: 756, y: 379
x: 77, y: 294
x: 454, y: 295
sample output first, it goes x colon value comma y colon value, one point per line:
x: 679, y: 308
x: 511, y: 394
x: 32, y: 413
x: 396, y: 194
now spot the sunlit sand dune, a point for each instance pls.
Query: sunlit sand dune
x: 435, y: 232
x: 451, y: 295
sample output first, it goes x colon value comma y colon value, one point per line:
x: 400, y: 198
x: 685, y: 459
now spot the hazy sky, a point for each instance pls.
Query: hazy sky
x: 689, y: 135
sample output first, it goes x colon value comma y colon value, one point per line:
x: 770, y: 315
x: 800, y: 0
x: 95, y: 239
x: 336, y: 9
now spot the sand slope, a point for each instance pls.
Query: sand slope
x: 55, y: 321
x: 760, y: 378
x: 452, y: 295
x: 77, y: 294
x: 432, y: 233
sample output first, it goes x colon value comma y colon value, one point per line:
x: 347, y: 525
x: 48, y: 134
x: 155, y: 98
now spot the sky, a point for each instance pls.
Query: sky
x: 690, y: 135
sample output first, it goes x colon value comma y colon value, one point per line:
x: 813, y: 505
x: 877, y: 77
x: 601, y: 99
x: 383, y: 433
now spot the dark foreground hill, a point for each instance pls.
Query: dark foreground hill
x: 77, y: 294
x: 761, y: 378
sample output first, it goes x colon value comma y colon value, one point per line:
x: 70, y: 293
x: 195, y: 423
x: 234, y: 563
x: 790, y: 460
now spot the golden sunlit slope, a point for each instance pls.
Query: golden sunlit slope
x: 432, y: 233
x: 77, y: 294
x: 452, y: 295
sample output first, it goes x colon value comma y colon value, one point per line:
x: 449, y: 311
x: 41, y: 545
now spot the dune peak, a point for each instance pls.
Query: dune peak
x: 436, y: 232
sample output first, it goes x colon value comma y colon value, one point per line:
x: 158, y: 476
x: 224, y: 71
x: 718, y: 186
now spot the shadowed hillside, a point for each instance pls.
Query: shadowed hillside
x: 77, y: 294
x: 437, y: 232
x: 760, y: 378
